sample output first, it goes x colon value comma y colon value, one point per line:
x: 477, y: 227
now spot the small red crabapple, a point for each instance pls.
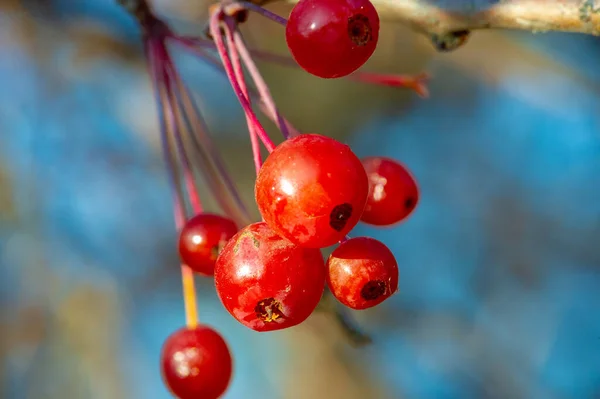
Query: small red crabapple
x: 312, y: 190
x: 201, y: 240
x: 196, y: 363
x: 266, y: 282
x: 362, y: 272
x: 332, y: 38
x: 393, y: 192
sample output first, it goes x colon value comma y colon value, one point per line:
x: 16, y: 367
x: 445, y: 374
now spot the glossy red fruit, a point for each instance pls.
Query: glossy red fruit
x: 332, y: 38
x: 266, y: 282
x: 362, y: 272
x: 393, y: 192
x: 312, y: 190
x: 202, y: 239
x: 196, y: 363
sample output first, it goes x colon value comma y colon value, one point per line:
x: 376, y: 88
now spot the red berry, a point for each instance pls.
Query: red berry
x: 393, y: 192
x: 202, y: 239
x: 266, y: 282
x: 312, y: 190
x: 362, y: 272
x: 332, y: 38
x: 196, y: 363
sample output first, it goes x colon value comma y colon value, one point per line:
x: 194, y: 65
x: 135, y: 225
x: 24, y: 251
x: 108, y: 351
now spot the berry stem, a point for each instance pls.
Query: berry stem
x: 207, y: 156
x: 158, y: 85
x: 190, y: 301
x: 246, y: 5
x: 239, y: 74
x: 171, y: 116
x: 417, y: 83
x: 199, y: 47
x: 261, y: 85
x: 215, y: 20
x: 158, y: 78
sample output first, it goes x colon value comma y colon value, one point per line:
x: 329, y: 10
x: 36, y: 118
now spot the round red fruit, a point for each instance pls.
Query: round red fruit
x: 266, y: 282
x: 332, y: 38
x: 312, y: 190
x: 393, y: 192
x: 202, y: 239
x: 362, y: 272
x: 196, y: 363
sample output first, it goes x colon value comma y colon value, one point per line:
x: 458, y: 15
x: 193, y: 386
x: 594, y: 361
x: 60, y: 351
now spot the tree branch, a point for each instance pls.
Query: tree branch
x: 448, y: 22
x: 444, y: 16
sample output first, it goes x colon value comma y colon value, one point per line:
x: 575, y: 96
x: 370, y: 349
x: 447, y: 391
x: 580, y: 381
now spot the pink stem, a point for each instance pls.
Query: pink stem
x: 159, y: 86
x: 192, y: 188
x: 197, y: 46
x: 208, y: 156
x: 239, y: 74
x: 215, y: 19
x: 416, y: 83
x: 154, y: 56
x: 261, y: 85
x: 192, y: 131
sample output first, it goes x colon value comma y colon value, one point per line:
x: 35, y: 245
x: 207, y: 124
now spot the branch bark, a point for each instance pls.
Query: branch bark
x: 451, y: 20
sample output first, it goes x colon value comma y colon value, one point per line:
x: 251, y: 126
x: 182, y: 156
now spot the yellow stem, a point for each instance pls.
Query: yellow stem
x: 189, y: 297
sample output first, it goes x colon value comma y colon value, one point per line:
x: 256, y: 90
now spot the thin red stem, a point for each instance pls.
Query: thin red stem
x: 188, y: 175
x: 215, y: 20
x: 239, y: 74
x: 158, y: 85
x: 417, y: 83
x: 207, y: 157
x: 198, y: 46
x: 158, y: 79
x: 261, y: 85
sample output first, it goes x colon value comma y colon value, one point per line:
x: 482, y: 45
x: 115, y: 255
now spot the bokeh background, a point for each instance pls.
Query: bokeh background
x: 500, y: 264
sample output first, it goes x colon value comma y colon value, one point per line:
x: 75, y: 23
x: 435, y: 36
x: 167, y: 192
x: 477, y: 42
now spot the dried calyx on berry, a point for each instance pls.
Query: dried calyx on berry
x: 266, y: 282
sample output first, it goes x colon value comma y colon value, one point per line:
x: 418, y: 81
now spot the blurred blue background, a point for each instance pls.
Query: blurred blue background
x: 500, y: 264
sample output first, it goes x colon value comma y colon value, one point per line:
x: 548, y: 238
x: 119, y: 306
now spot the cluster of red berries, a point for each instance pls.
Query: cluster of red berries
x: 311, y: 191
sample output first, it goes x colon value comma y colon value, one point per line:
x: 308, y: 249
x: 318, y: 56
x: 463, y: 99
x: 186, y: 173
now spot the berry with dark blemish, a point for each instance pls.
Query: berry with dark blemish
x: 362, y: 272
x: 373, y: 290
x: 339, y: 216
x: 270, y: 286
x: 359, y: 30
x: 332, y: 38
x: 323, y: 185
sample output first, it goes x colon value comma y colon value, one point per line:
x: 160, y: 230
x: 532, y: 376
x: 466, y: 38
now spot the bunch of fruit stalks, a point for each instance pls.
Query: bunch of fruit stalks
x: 311, y: 190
